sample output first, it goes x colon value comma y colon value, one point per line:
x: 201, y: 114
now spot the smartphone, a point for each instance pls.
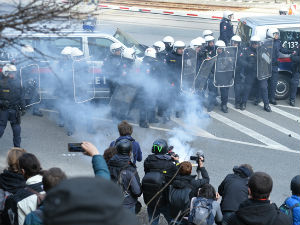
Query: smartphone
x: 75, y: 147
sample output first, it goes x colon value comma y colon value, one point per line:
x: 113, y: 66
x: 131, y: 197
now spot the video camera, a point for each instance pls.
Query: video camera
x: 196, y: 158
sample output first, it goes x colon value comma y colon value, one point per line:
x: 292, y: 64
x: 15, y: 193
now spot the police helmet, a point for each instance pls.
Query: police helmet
x: 236, y: 39
x: 177, y: 45
x: 115, y: 47
x: 159, y: 46
x: 209, y: 38
x: 195, y: 43
x: 67, y: 50
x: 150, y: 52
x: 129, y: 53
x: 168, y: 40
x: 227, y: 14
x: 201, y: 39
x: 207, y: 33
x: 271, y: 32
x: 295, y: 185
x: 220, y: 43
x: 27, y: 49
x: 160, y: 147
x: 8, y: 68
x: 123, y: 146
x: 255, y: 39
x: 76, y: 52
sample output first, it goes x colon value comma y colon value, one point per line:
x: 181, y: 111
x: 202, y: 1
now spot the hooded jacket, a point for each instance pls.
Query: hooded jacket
x: 234, y: 189
x: 11, y: 181
x: 259, y: 212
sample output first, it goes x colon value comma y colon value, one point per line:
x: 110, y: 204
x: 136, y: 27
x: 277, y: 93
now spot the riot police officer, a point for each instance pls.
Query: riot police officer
x: 277, y: 48
x: 12, y: 103
x: 198, y: 45
x: 112, y: 65
x: 226, y: 27
x: 161, y: 52
x: 239, y: 77
x: 210, y: 48
x: 249, y: 61
x: 295, y: 57
x: 174, y: 62
x: 169, y: 42
x: 150, y: 73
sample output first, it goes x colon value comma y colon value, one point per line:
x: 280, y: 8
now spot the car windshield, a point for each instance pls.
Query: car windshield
x: 244, y: 32
x: 289, y: 37
x: 129, y: 42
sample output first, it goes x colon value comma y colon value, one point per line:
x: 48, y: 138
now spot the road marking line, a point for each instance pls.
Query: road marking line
x: 196, y: 129
x: 266, y: 122
x: 261, y: 138
x: 277, y: 148
x: 288, y: 106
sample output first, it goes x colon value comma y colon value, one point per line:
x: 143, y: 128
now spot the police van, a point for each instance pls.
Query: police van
x: 289, y: 28
x: 95, y: 46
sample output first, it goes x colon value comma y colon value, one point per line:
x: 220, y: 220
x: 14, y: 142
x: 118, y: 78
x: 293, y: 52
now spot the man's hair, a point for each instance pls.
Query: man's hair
x: 125, y: 128
x: 185, y: 168
x: 30, y: 164
x: 13, y: 156
x: 207, y: 191
x: 53, y: 177
x: 109, y: 153
x: 260, y: 185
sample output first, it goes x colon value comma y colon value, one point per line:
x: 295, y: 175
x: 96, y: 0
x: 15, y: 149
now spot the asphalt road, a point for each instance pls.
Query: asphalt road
x: 267, y: 141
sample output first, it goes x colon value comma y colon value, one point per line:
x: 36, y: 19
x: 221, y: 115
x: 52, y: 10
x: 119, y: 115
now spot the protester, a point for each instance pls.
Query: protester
x: 125, y: 131
x: 258, y: 209
x: 51, y: 178
x: 185, y: 187
x: 205, y: 208
x: 109, y: 153
x: 234, y: 190
x: 86, y: 201
x: 25, y: 200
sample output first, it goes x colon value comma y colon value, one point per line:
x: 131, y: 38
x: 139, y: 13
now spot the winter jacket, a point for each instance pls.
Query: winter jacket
x: 294, y: 199
x: 11, y: 181
x: 216, y: 210
x: 259, y: 212
x: 234, y: 190
x: 100, y: 167
x: 136, y: 149
x: 124, y: 172
x: 181, y: 182
x: 24, y: 201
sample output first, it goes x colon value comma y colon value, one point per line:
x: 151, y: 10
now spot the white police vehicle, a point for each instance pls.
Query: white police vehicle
x: 95, y: 45
x: 289, y: 28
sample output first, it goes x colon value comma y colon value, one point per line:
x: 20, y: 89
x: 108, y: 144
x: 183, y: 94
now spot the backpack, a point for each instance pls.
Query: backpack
x: 152, y: 183
x: 288, y: 210
x: 179, y: 199
x: 201, y: 213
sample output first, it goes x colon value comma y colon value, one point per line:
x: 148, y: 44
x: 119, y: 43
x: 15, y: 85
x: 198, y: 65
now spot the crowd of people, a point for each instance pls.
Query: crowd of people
x: 30, y: 195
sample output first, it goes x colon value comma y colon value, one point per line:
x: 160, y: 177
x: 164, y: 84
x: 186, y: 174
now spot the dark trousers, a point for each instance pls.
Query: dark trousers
x: 294, y: 85
x: 11, y: 115
x: 263, y: 90
x: 238, y: 89
x: 226, y: 216
x: 224, y: 95
x: 273, y: 82
x: 249, y: 81
x: 212, y: 92
x: 153, y: 214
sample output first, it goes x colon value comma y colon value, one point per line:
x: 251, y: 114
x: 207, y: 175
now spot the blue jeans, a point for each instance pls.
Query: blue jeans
x: 154, y: 215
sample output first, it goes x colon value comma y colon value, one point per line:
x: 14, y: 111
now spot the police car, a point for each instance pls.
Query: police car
x: 289, y: 28
x: 95, y: 44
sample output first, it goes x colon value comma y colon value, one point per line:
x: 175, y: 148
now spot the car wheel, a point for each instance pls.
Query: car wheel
x: 283, y: 87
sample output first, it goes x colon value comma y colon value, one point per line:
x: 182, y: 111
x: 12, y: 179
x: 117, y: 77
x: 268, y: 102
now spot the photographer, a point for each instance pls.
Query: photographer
x: 185, y: 187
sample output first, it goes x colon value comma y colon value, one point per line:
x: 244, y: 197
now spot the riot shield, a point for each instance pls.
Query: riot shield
x: 188, y: 72
x: 203, y: 73
x: 30, y: 80
x: 225, y: 67
x: 83, y: 81
x: 264, y: 60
